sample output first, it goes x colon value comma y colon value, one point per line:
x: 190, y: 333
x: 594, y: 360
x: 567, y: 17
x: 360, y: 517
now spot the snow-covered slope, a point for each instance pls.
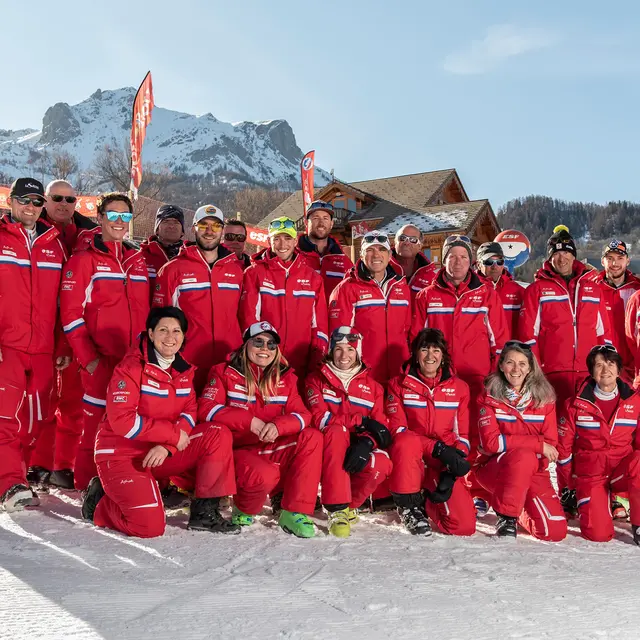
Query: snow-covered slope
x: 264, y: 152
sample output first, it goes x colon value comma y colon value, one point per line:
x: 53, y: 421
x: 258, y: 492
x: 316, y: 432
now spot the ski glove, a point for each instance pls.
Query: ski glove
x: 569, y: 501
x: 443, y: 491
x: 358, y: 454
x: 452, y: 458
x: 377, y: 431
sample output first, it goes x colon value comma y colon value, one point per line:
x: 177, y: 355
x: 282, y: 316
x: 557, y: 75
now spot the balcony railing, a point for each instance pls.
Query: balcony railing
x: 340, y: 218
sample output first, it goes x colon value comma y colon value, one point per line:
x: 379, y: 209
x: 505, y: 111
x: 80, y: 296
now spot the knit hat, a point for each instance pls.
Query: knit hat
x: 615, y: 246
x: 561, y: 240
x: 346, y: 335
x: 283, y: 225
x: 456, y: 241
x: 169, y: 212
x: 260, y: 327
x: 487, y: 250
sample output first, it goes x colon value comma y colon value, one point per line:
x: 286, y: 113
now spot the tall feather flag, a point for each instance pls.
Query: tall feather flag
x: 142, y: 108
x: 306, y: 170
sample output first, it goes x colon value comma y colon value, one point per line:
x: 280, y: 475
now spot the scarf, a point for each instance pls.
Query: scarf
x: 164, y: 363
x: 605, y: 395
x: 345, y: 376
x: 519, y: 401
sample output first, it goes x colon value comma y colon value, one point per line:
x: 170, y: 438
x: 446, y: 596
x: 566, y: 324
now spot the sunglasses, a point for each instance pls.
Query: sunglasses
x: 234, y: 237
x: 282, y: 224
x: 490, y: 262
x: 411, y: 239
x: 599, y: 348
x: 319, y: 204
x: 25, y: 200
x: 377, y: 238
x: 261, y: 343
x: 451, y: 239
x: 515, y: 343
x: 211, y: 224
x: 113, y: 216
x: 351, y: 338
x: 68, y: 199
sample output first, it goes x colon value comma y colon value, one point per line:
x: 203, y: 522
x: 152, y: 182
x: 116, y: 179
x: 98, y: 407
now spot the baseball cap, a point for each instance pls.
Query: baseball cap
x: 261, y: 327
x: 373, y: 238
x: 168, y: 212
x: 26, y: 187
x: 320, y: 205
x: 207, y: 211
x: 615, y: 246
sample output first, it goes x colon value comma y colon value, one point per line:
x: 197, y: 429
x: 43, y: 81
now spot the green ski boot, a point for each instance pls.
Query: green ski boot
x: 297, y: 524
x: 241, y: 518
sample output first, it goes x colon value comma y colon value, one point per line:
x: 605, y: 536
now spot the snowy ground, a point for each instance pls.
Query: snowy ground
x: 63, y: 579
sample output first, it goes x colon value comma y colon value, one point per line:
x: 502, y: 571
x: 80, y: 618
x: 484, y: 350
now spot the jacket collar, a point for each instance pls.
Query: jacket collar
x: 629, y: 279
x: 587, y: 390
x: 361, y: 272
x: 412, y: 378
x: 305, y: 245
x: 547, y: 272
x: 472, y: 281
x: 149, y: 355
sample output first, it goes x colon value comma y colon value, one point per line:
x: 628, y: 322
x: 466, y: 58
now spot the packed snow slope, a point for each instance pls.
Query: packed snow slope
x: 62, y: 578
x: 264, y: 152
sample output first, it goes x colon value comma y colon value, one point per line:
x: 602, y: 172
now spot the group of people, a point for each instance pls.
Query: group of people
x: 296, y: 377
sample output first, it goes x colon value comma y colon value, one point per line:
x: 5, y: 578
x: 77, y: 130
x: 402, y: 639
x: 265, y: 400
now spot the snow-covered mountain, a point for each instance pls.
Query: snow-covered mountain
x: 247, y: 152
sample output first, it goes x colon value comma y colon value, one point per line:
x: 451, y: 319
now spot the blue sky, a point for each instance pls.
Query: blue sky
x: 521, y: 97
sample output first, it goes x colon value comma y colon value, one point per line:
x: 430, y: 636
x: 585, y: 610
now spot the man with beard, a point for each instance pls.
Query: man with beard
x: 205, y: 281
x: 320, y: 250
x: 235, y: 236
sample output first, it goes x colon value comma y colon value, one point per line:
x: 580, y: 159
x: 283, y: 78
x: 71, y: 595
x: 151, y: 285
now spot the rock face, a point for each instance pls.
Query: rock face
x: 244, y: 153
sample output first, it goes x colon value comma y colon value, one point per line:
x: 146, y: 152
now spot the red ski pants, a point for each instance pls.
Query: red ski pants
x: 340, y: 487
x: 133, y: 504
x: 25, y: 387
x: 520, y: 490
x: 292, y: 464
x: 60, y: 431
x: 594, y: 499
x: 414, y: 469
x: 94, y: 402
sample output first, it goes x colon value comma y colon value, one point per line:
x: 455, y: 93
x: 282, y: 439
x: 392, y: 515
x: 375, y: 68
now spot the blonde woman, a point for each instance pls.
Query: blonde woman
x: 275, y: 450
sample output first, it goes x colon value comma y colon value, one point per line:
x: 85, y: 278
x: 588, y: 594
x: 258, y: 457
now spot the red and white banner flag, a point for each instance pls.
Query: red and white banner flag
x: 359, y: 229
x: 306, y: 169
x: 257, y: 236
x: 142, y: 108
x: 85, y: 205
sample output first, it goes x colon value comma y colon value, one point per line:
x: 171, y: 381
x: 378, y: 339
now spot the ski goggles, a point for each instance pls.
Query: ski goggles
x: 235, y: 237
x: 113, y: 216
x: 490, y: 262
x: 67, y: 199
x: 411, y: 239
x: 25, y: 200
x: 604, y: 348
x: 516, y: 343
x: 457, y: 238
x: 261, y: 343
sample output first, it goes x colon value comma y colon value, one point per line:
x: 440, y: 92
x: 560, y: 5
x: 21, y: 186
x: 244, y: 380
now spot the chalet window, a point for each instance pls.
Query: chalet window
x: 338, y: 203
x: 351, y: 204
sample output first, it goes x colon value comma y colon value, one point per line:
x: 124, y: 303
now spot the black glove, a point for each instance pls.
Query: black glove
x: 358, y: 454
x: 452, y: 458
x: 377, y: 431
x: 444, y: 489
x: 569, y: 501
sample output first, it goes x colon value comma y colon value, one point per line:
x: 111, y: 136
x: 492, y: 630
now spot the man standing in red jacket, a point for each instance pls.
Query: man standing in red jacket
x: 104, y: 303
x: 490, y: 264
x: 235, y: 237
x: 205, y: 281
x: 31, y: 262
x: 321, y: 251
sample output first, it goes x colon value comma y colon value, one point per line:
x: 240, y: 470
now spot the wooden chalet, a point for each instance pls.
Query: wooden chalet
x: 435, y: 202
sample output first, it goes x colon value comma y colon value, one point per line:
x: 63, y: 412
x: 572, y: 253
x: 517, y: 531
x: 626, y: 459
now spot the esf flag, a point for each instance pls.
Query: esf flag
x: 516, y: 248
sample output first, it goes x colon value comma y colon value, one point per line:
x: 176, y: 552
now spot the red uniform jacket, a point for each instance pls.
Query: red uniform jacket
x: 330, y: 403
x: 146, y: 405
x: 381, y: 314
x: 422, y: 278
x: 511, y: 294
x: 156, y: 257
x: 332, y: 265
x: 29, y: 285
x: 563, y: 323
x: 471, y: 319
x: 441, y: 413
x: 225, y: 400
x: 209, y: 297
x: 591, y: 446
x: 69, y: 233
x: 104, y: 300
x: 502, y: 427
x: 292, y: 299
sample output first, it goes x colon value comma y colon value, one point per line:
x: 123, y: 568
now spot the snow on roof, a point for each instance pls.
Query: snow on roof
x: 429, y: 222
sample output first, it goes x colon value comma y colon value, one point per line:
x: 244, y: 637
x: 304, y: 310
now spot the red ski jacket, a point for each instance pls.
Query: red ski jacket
x: 502, y: 427
x: 422, y: 278
x: 562, y: 323
x: 155, y: 255
x: 69, y: 233
x: 381, y: 314
x: 225, y: 401
x: 330, y: 403
x: 104, y: 300
x: 290, y: 297
x: 332, y: 265
x: 441, y: 413
x: 471, y: 319
x: 591, y: 446
x: 146, y: 405
x: 511, y: 294
x: 29, y: 285
x: 209, y: 297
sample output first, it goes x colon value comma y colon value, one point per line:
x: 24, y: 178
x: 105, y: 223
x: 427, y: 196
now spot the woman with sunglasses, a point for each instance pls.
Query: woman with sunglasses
x: 600, y: 445
x: 255, y: 394
x: 518, y: 438
x: 347, y: 405
x: 428, y: 409
x: 149, y: 434
x: 104, y: 303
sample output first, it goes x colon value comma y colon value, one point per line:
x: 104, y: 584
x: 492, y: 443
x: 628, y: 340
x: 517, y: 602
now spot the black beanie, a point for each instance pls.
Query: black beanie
x: 561, y: 240
x: 166, y: 212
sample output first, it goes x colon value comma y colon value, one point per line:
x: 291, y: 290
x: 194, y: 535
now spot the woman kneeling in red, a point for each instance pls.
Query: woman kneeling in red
x: 518, y: 437
x: 275, y: 451
x: 149, y: 433
x: 347, y: 405
x: 428, y: 409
